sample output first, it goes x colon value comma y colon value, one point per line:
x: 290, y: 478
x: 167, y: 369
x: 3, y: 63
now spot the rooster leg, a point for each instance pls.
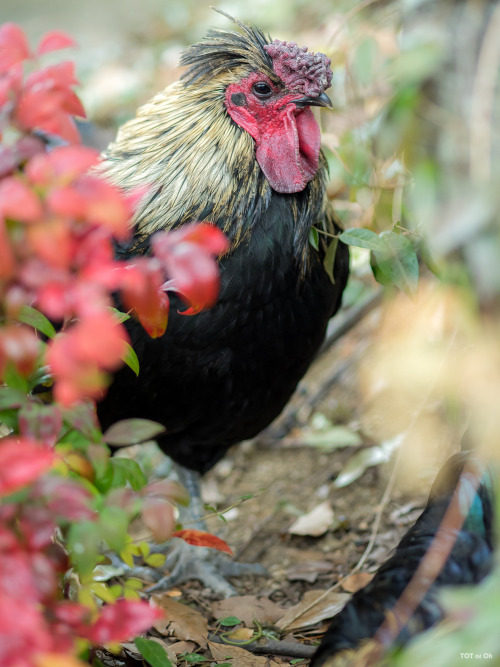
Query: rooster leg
x: 185, y: 562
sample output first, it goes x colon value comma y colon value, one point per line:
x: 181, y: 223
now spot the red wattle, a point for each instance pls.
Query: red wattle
x: 288, y: 152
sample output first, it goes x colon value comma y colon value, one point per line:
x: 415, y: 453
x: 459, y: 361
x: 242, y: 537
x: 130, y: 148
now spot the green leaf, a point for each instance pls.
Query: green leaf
x: 144, y: 549
x: 131, y: 432
x: 103, y: 592
x: 329, y: 260
x: 130, y: 358
x: 84, y: 539
x: 126, y: 470
x: 314, y: 238
x: 155, y: 560
x: 194, y: 658
x: 37, y: 320
x: 362, y: 238
x: 113, y: 524
x: 119, y: 315
x: 397, y: 263
x: 14, y: 379
x: 230, y: 621
x: 9, y: 418
x: 152, y: 652
x: 11, y: 398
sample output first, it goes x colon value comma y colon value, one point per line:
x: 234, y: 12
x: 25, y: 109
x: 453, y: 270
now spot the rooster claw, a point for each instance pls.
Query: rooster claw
x: 208, y: 566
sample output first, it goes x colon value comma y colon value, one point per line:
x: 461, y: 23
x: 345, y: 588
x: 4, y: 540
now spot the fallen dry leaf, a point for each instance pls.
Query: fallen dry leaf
x: 309, y: 571
x: 241, y: 634
x: 248, y: 608
x: 303, y: 614
x: 181, y: 621
x: 354, y: 582
x: 314, y: 523
x: 239, y: 657
x: 182, y: 647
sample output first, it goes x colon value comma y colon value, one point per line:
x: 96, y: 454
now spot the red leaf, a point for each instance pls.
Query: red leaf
x: 45, y: 111
x: 141, y: 286
x: 48, y: 102
x: 67, y: 201
x: 200, y: 539
x: 62, y: 126
x: 206, y: 235
x: 53, y: 41
x: 106, y: 205
x: 22, y: 461
x: 7, y: 260
x: 18, y: 201
x: 78, y: 356
x: 14, y: 46
x: 195, y: 276
x: 52, y: 242
x: 61, y: 166
x: 40, y: 422
x: 19, y: 345
x: 61, y: 75
x: 121, y: 621
x: 188, y: 254
x: 99, y: 338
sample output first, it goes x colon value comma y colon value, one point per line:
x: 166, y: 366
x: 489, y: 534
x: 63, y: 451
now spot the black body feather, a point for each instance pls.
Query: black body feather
x: 221, y: 376
x: 469, y: 562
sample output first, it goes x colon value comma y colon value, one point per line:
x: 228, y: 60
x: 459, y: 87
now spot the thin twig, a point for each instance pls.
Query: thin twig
x: 272, y: 646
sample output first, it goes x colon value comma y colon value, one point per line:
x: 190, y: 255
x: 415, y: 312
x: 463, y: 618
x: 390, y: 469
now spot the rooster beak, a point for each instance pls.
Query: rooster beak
x: 321, y: 101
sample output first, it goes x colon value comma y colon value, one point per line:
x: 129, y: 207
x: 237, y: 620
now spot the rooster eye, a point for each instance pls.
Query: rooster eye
x: 262, y: 89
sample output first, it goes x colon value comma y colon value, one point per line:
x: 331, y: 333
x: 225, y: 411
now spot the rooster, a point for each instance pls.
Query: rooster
x: 470, y: 560
x: 233, y: 143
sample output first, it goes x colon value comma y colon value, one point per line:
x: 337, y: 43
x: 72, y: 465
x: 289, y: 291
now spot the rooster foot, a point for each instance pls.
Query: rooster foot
x: 185, y: 562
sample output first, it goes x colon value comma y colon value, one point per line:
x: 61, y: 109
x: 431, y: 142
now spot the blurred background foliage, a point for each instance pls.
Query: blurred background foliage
x: 413, y: 148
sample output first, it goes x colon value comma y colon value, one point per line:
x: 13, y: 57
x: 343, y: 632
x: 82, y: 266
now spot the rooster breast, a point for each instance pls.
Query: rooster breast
x: 221, y: 376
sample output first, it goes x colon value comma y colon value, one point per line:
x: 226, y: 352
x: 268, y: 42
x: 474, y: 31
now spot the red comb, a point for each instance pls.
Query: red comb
x: 301, y: 72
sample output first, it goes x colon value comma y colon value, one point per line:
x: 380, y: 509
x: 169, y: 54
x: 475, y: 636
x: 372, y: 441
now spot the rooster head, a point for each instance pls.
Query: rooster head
x: 269, y: 95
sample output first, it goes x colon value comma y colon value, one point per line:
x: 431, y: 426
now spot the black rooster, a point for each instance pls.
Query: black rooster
x: 469, y: 562
x: 235, y: 143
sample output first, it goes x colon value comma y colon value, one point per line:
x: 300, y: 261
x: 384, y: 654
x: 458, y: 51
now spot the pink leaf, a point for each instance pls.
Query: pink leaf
x: 18, y: 201
x: 121, y: 621
x: 64, y: 164
x: 158, y: 516
x: 22, y: 461
x: 53, y: 41
x: 13, y: 46
x: 7, y: 260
